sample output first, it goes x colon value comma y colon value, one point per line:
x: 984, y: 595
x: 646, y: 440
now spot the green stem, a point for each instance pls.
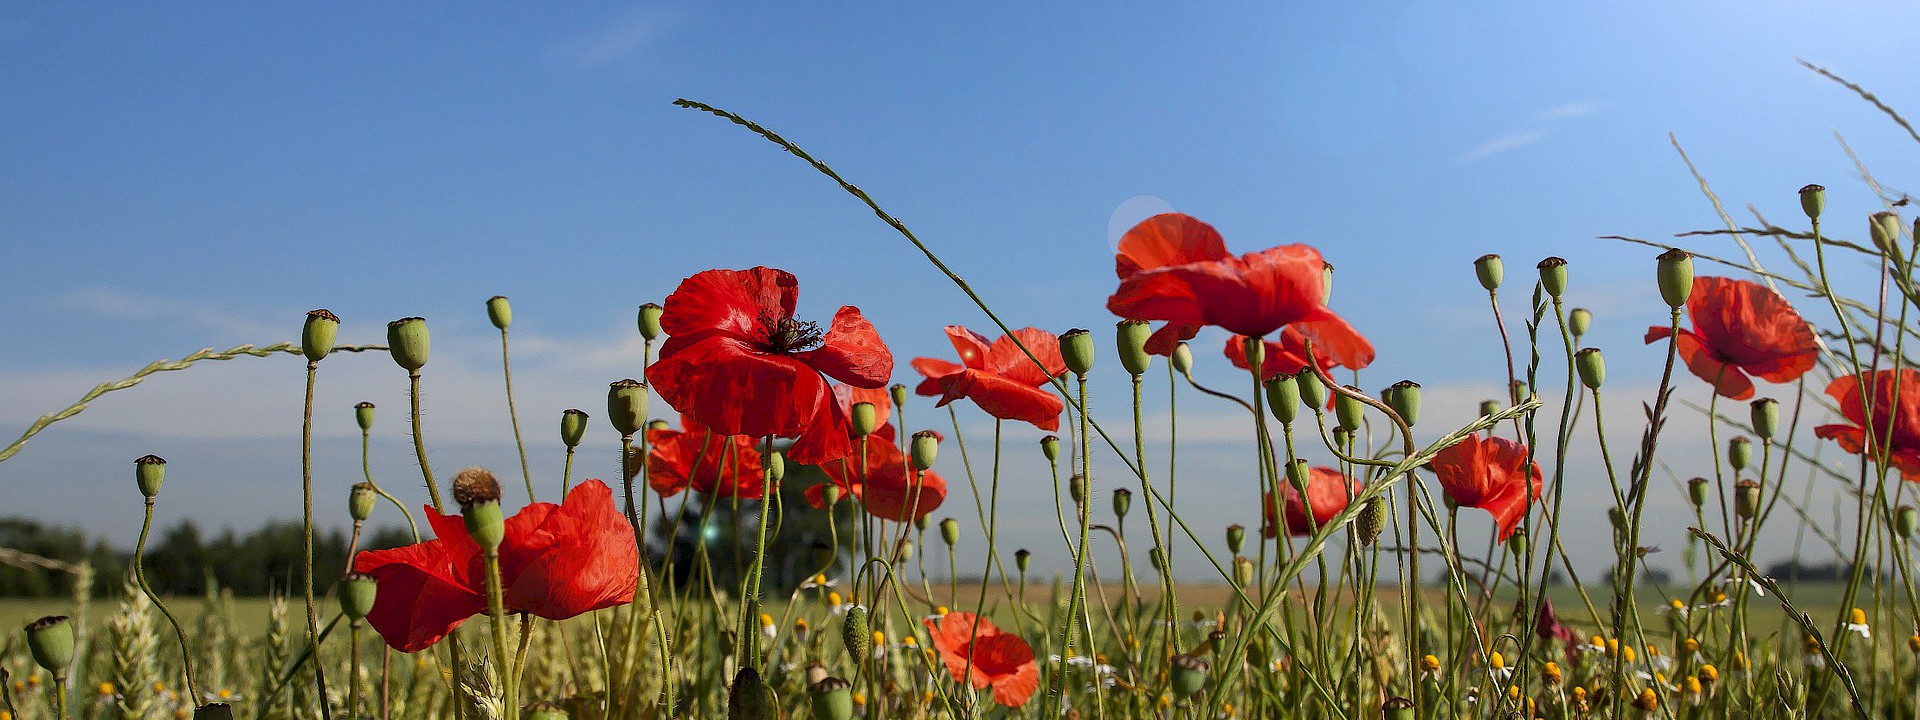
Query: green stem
x: 140, y: 576
x: 306, y: 537
x: 497, y: 613
x: 506, y: 368
x: 366, y: 469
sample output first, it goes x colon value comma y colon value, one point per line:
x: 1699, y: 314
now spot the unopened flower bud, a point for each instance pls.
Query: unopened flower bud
x: 1283, y: 397
x: 1122, y: 502
x: 1242, y: 570
x: 627, y: 405
x: 1739, y: 452
x: 1157, y: 558
x: 950, y: 531
x: 1617, y: 517
x: 750, y: 698
x: 1813, y: 199
x: 1884, y: 228
x: 1189, y: 675
x: 1130, y: 338
x: 573, y: 426
x: 1236, y: 538
x: 1313, y: 392
x: 1489, y: 407
x: 1298, y: 474
x: 407, y: 342
x: 1746, y: 499
x: 360, y: 501
x: 1397, y: 708
x: 864, y: 419
x: 1255, y: 351
x: 1182, y: 358
x: 1517, y: 392
x: 1076, y: 348
x: 316, y: 338
x: 478, y: 494
x: 1906, y: 520
x: 363, y: 416
x: 1021, y: 558
x: 1553, y: 276
x: 830, y: 493
x: 1675, y: 274
x: 499, y: 311
x: 1372, y: 520
x: 1579, y: 321
x: 357, y: 592
x: 50, y: 640
x: 1765, y: 415
x: 1592, y: 367
x: 902, y: 550
x: 776, y: 467
x: 1348, y: 410
x: 1404, y: 398
x: 925, y: 447
x: 1697, y: 491
x: 1517, y: 544
x: 1077, y: 488
x: 831, y: 698
x: 649, y: 321
x: 1490, y: 271
x: 213, y: 711
x: 148, y: 472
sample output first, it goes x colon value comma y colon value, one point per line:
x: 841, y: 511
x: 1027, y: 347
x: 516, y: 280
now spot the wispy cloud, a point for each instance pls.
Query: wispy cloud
x: 1568, y: 110
x: 1504, y: 143
x: 615, y: 40
x: 119, y: 304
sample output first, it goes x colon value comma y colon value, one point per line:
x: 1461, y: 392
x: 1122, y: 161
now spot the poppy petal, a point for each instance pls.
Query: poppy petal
x: 1004, y: 399
x: 729, y: 386
x: 728, y: 301
x: 1167, y: 239
x: 422, y: 598
x: 851, y: 352
x: 584, y: 556
x: 1162, y: 341
x: 1728, y: 380
x: 1254, y: 294
x: 1007, y: 359
x: 1336, y: 339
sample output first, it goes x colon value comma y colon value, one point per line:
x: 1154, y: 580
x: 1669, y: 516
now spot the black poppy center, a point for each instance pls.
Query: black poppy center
x: 787, y: 335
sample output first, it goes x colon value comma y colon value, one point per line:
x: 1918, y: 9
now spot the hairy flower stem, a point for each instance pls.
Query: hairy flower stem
x: 140, y: 576
x: 497, y: 613
x: 513, y: 417
x: 353, y: 670
x: 1055, y: 695
x: 366, y: 470
x: 1168, y: 601
x: 1561, y: 441
x: 306, y: 538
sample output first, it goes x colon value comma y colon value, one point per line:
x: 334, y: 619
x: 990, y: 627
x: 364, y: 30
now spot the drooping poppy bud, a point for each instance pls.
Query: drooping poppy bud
x: 1592, y: 367
x: 1579, y: 321
x: 1348, y: 410
x: 1697, y: 491
x: 1675, y: 274
x: 1372, y: 520
x: 360, y: 501
x: 407, y: 342
x: 950, y: 531
x: 1765, y: 416
x: 1746, y: 499
x: 573, y: 426
x: 499, y: 312
x: 149, y: 471
x: 1130, y: 338
x: 1283, y: 397
x: 864, y: 419
x: 776, y: 467
x: 1884, y: 228
x: 1490, y: 271
x: 1397, y: 708
x: 316, y: 338
x: 1021, y: 558
x: 1189, y: 675
x: 363, y: 415
x: 853, y: 633
x: 899, y: 393
x: 1739, y: 452
x: 1905, y: 521
x: 1182, y: 358
x: 1313, y: 392
x: 478, y: 494
x: 830, y: 493
x: 1236, y: 538
x: 50, y: 640
x: 1156, y: 559
x: 1404, y: 398
x: 1553, y: 276
x: 1813, y: 199
x: 1298, y: 475
x: 627, y: 405
x: 831, y: 699
x: 925, y: 447
x: 1517, y: 544
x: 649, y: 321
x: 356, y: 595
x: 750, y: 698
x: 1489, y: 407
x: 1122, y: 502
x: 1076, y: 348
x: 1050, y: 447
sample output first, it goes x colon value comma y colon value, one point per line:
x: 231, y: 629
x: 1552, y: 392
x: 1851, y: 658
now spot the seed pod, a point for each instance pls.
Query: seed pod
x: 1489, y: 407
x: 407, y: 342
x: 1050, y: 446
x: 363, y: 416
x: 1404, y: 398
x: 573, y: 426
x: 1739, y: 452
x: 1397, y: 708
x: 357, y: 591
x: 50, y: 640
x: 478, y: 494
x: 1765, y: 415
x: 1553, y: 276
x: 925, y: 447
x: 1342, y: 437
x: 1130, y: 338
x: 1592, y: 367
x: 831, y: 699
x: 316, y: 337
x: 1813, y: 199
x: 360, y: 499
x: 1579, y: 321
x: 499, y: 312
x: 1298, y: 474
x: 853, y: 634
x: 950, y: 531
x: 149, y: 471
x: 1348, y: 410
x: 864, y: 419
x: 627, y: 405
x: 1517, y: 392
x: 1746, y: 499
x: 1490, y: 271
x: 658, y: 424
x: 1182, y: 358
x: 1076, y: 348
x: 1697, y: 491
x: 1236, y: 538
x: 649, y: 321
x: 1675, y: 274
x: 1283, y: 397
x: 1189, y: 675
x: 750, y: 698
x: 1255, y: 351
x: 899, y: 393
x: 1122, y: 502
x: 902, y: 550
x: 1021, y: 558
x: 1906, y: 520
x: 1372, y: 520
x: 1077, y: 488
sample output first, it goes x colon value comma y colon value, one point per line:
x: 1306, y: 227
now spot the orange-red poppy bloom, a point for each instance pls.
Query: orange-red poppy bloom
x: 1741, y: 328
x: 708, y: 462
x: 1490, y: 473
x: 1896, y: 418
x: 557, y: 561
x: 1289, y: 354
x: 738, y: 362
x: 999, y: 659
x: 998, y: 377
x: 1330, y: 492
x: 884, y: 485
x: 1176, y: 268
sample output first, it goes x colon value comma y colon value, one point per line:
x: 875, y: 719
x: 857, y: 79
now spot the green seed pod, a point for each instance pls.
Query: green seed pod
x: 1553, y: 276
x: 1283, y: 397
x: 1182, y: 358
x: 1298, y: 474
x: 1372, y: 520
x: 650, y: 321
x: 1348, y: 410
x: 1813, y: 199
x: 1490, y: 271
x: 920, y: 523
x: 148, y: 472
x: 363, y: 416
x: 1404, y: 398
x: 627, y: 405
x: 1050, y: 447
x: 546, y: 711
x: 1076, y: 348
x: 356, y: 595
x: 750, y: 698
x: 776, y: 467
x: 831, y: 699
x: 1905, y: 521
x: 1617, y: 517
x: 865, y: 419
x: 853, y: 634
x: 1746, y: 499
x: 1489, y: 407
x: 1675, y: 274
x: 1122, y: 502
x: 1242, y: 570
x: 478, y: 493
x: 1021, y: 558
x: 1765, y: 415
x: 1397, y: 708
x: 1579, y: 321
x: 830, y: 493
x: 316, y: 338
x: 407, y: 342
x: 1313, y: 392
x: 1739, y: 452
x: 1698, y: 490
x: 1189, y: 675
x: 1078, y: 487
x: 573, y: 426
x: 1130, y: 338
x: 1236, y: 538
x: 213, y: 711
x: 499, y: 312
x: 1326, y: 282
x: 50, y: 639
x: 899, y: 393
x: 1592, y: 367
x: 925, y: 447
x: 950, y: 531
x: 1255, y: 351
x: 360, y: 501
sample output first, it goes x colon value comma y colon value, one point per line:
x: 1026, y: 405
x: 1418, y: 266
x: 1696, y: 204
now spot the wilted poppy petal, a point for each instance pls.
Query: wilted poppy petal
x: 728, y: 301
x: 851, y: 352
x: 1167, y: 239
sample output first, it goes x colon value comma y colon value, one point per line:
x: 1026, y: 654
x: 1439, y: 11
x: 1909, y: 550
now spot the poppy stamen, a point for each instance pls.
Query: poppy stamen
x: 787, y: 335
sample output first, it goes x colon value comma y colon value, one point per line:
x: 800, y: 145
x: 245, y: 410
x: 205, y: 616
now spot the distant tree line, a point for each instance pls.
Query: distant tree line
x: 181, y: 560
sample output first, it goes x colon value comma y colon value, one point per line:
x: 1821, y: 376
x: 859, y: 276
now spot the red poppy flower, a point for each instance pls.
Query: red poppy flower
x: 1741, y: 328
x: 999, y: 378
x: 998, y: 658
x: 697, y: 457
x: 1289, y: 354
x: 557, y: 561
x: 884, y: 487
x: 1330, y: 492
x: 1173, y: 267
x: 1896, y: 418
x: 1492, y: 474
x: 738, y: 361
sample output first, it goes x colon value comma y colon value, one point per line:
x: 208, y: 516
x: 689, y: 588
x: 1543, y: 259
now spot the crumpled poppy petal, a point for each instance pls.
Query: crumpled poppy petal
x: 851, y: 352
x: 1254, y: 294
x: 1004, y: 398
x: 578, y: 557
x: 829, y: 435
x: 932, y: 369
x: 1005, y: 358
x: 728, y: 386
x: 728, y: 301
x: 1167, y: 239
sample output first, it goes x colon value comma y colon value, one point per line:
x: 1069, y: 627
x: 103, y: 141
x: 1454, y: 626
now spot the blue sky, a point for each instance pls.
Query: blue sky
x: 185, y: 176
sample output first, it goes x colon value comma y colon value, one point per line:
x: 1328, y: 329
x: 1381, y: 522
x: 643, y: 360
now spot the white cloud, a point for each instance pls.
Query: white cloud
x: 615, y: 40
x: 122, y: 305
x: 1502, y: 144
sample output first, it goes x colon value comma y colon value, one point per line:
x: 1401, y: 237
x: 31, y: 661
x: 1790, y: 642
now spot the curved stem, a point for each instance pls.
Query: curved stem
x: 140, y: 576
x: 513, y: 416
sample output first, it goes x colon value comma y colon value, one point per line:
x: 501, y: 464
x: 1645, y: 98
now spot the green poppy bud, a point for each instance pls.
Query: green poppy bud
x: 148, y: 472
x: 1326, y: 282
x: 1697, y: 491
x: 1021, y: 558
x: 1517, y: 544
x: 360, y: 501
x: 627, y: 405
x: 1489, y: 407
x: 1255, y: 351
x: 853, y: 634
x: 831, y: 699
x: 1579, y: 321
x: 213, y: 711
x: 1130, y: 337
x: 1675, y: 274
x: 1553, y: 276
x: 926, y: 446
x: 1813, y: 199
x: 478, y: 493
x: 776, y: 467
x: 1746, y: 499
x: 750, y: 698
x: 920, y: 523
x: 1313, y: 392
x: 316, y: 338
x: 499, y: 312
x: 1404, y: 398
x: 1078, y: 487
x: 1490, y: 271
x: 1765, y: 415
x: 1739, y: 452
x: 1397, y: 708
x: 1156, y: 559
x: 1283, y: 398
x: 1122, y: 502
x: 1592, y: 367
x: 903, y: 550
x: 573, y: 426
x: 1050, y: 446
x: 1617, y: 517
x: 1189, y: 675
x: 1182, y: 358
x: 1517, y: 392
x: 1372, y: 520
x: 1905, y: 521
x: 546, y: 711
x: 1076, y: 348
x: 363, y: 415
x: 1298, y: 473
x: 865, y: 419
x: 650, y: 321
x: 830, y: 493
x: 1236, y: 538
x: 1884, y: 228
x: 50, y: 639
x: 950, y: 531
x: 1242, y: 570
x: 356, y: 595
x: 407, y: 342
x: 1347, y: 410
x: 899, y: 393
